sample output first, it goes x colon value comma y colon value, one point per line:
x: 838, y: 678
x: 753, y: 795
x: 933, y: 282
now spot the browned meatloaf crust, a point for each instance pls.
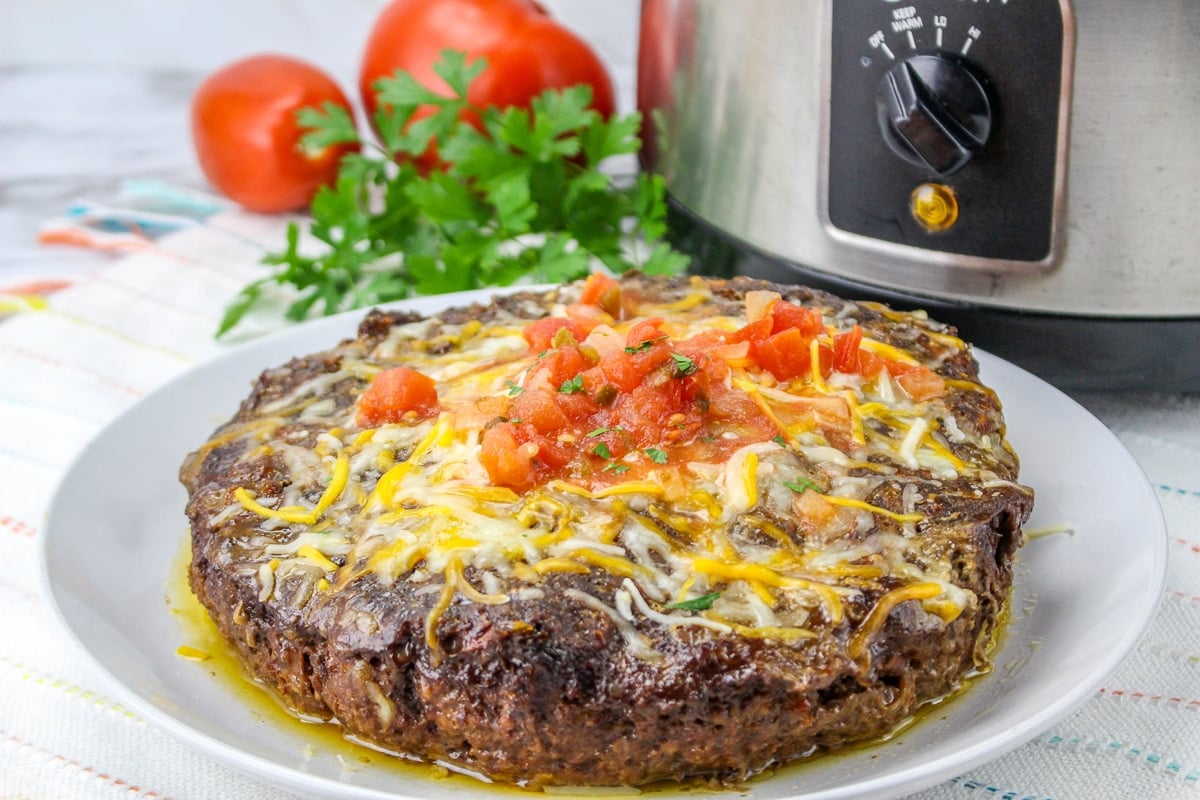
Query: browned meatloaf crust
x: 546, y: 689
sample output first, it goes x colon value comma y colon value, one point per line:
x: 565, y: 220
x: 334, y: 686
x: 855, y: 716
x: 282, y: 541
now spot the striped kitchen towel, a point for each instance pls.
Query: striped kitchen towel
x: 71, y: 360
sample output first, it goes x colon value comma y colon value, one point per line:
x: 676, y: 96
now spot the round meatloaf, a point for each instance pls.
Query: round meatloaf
x: 615, y: 532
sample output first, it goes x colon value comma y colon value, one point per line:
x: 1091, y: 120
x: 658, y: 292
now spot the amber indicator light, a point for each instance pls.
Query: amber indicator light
x: 934, y: 206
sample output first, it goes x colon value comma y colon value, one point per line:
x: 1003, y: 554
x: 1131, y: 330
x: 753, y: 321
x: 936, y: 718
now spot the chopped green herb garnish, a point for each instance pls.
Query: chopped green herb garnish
x: 778, y: 439
x: 657, y: 455
x: 644, y: 346
x: 801, y: 484
x: 684, y: 366
x: 602, y: 450
x: 602, y: 431
x: 616, y: 468
x: 573, y: 385
x: 702, y: 603
x: 513, y: 389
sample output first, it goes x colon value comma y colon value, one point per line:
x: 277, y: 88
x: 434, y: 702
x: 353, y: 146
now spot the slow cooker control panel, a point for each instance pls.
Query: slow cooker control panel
x: 943, y: 125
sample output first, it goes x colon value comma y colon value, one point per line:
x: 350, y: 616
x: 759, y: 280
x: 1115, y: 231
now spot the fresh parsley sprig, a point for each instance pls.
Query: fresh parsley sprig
x: 521, y: 196
x: 701, y: 603
x: 802, y: 484
x: 684, y: 366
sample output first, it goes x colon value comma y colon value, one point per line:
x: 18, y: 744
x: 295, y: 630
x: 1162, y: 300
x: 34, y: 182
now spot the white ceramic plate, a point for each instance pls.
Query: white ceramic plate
x: 1081, y: 600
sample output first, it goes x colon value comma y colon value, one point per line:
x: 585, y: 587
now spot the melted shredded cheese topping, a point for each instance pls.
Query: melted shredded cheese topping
x: 696, y: 545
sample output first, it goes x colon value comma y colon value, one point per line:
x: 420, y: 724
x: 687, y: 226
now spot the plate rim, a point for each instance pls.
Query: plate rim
x: 909, y: 778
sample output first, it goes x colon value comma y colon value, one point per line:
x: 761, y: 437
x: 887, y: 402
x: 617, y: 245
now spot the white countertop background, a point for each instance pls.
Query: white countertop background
x: 93, y: 94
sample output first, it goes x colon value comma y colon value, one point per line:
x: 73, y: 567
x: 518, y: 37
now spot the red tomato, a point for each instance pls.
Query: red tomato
x: 527, y: 51
x: 756, y: 331
x: 647, y: 411
x: 918, y: 382
x: 644, y: 331
x: 247, y: 139
x: 540, y: 333
x: 506, y: 461
x: 578, y: 406
x: 847, y: 355
x: 394, y: 393
x: 869, y: 364
x: 602, y: 291
x: 627, y: 370
x: 785, y: 355
x: 734, y: 406
x: 785, y: 315
x: 622, y: 371
x: 559, y: 365
x: 539, y: 409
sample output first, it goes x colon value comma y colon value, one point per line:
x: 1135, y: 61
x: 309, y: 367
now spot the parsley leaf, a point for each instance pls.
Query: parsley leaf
x: 657, y: 455
x: 522, y: 195
x: 801, y: 484
x: 663, y: 260
x: 602, y: 450
x: 701, y: 603
x: 513, y: 389
x: 601, y: 431
x: 330, y: 124
x: 456, y: 72
x: 779, y: 440
x: 573, y: 385
x: 616, y: 468
x: 684, y: 366
x: 238, y: 307
x: 642, y: 347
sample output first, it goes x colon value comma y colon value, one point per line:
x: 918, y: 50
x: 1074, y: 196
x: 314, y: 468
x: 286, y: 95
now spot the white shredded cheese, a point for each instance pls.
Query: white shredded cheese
x: 908, y: 447
x: 631, y: 591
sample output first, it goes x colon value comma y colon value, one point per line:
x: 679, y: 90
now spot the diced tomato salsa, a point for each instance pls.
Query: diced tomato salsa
x: 541, y: 333
x: 596, y: 411
x: 395, y: 395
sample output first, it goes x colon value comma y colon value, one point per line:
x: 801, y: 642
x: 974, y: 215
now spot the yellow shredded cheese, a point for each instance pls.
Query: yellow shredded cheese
x: 883, y: 607
x: 299, y: 514
x: 317, y: 557
x: 814, y: 367
x: 750, y: 479
x: 888, y: 351
x: 851, y: 502
x: 413, y: 500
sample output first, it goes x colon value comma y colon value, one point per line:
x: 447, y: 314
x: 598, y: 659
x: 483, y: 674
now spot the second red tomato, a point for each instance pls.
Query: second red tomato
x: 527, y: 51
x: 247, y: 138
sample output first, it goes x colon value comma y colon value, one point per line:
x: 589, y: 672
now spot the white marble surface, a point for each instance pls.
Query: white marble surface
x: 92, y: 93
x: 76, y: 132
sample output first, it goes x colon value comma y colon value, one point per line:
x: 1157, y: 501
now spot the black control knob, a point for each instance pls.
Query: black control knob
x: 935, y: 110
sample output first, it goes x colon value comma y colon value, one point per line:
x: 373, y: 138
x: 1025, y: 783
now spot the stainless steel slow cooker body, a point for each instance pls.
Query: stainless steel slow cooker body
x: 1025, y: 170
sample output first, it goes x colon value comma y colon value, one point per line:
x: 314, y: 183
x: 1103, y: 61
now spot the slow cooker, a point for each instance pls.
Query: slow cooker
x: 1027, y: 170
